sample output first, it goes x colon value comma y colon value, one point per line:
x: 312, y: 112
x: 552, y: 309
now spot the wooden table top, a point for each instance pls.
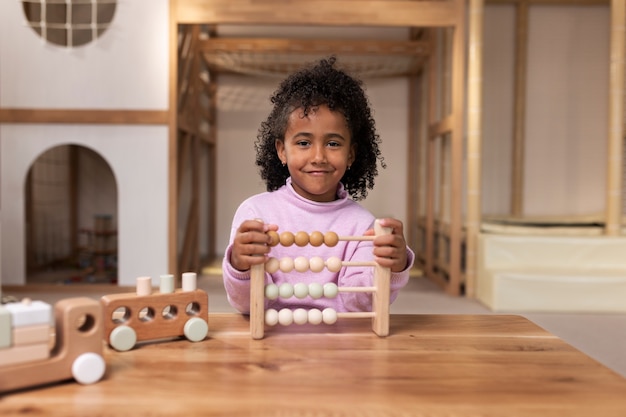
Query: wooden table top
x: 430, y: 365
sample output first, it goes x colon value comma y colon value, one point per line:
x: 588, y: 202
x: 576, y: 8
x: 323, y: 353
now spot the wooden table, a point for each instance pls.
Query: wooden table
x: 430, y: 365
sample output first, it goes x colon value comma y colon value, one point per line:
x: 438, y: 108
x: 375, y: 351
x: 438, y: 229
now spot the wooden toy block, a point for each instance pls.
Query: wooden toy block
x: 259, y: 291
x: 130, y: 318
x: 30, y: 335
x: 5, y: 328
x: 77, y: 352
x: 29, y: 313
x: 21, y: 354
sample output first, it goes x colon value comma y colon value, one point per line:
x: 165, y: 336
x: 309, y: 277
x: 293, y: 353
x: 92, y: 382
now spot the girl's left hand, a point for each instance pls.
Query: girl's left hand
x: 390, y: 250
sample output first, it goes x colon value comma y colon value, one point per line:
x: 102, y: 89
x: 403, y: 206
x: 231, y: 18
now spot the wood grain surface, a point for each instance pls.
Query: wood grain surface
x: 429, y: 365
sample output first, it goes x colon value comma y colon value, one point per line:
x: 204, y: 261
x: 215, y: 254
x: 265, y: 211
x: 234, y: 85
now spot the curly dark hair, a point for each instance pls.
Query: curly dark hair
x: 316, y: 85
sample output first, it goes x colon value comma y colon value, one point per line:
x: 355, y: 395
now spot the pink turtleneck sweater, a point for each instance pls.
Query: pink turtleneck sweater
x: 294, y: 213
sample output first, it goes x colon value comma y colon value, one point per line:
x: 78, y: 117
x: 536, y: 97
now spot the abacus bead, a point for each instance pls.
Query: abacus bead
x: 285, y: 290
x: 286, y: 238
x: 333, y: 264
x: 315, y: 316
x: 272, y: 265
x: 271, y: 317
x: 300, y: 316
x: 300, y: 290
x: 329, y: 316
x: 286, y: 264
x: 301, y: 239
x: 271, y: 291
x: 285, y: 316
x: 301, y: 264
x: 316, y: 290
x: 330, y: 290
x: 274, y: 238
x: 316, y: 238
x: 316, y: 264
x: 331, y: 239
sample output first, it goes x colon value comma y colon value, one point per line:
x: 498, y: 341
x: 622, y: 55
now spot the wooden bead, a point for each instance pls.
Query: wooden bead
x: 301, y: 239
x: 315, y: 316
x: 316, y: 264
x: 329, y: 316
x: 274, y: 238
x: 285, y: 316
x: 301, y: 264
x: 316, y: 238
x: 285, y: 290
x: 271, y: 291
x: 300, y: 290
x: 287, y: 238
x: 333, y: 264
x: 286, y: 264
x: 316, y: 290
x: 271, y: 317
x: 331, y: 239
x: 330, y: 290
x: 300, y: 316
x: 272, y: 265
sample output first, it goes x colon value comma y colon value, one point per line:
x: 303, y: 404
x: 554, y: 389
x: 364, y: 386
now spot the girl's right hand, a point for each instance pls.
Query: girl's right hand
x: 251, y: 244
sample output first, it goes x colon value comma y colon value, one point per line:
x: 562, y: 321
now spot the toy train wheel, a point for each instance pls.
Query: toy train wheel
x: 88, y: 368
x: 123, y: 338
x: 196, y: 329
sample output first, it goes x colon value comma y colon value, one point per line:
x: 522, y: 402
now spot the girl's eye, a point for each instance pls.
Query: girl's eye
x: 334, y: 144
x: 302, y: 143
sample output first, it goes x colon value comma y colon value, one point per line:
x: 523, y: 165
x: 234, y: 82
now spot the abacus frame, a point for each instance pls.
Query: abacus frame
x: 380, y: 293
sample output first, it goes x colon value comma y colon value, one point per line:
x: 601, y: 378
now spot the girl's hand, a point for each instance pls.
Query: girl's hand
x: 390, y: 250
x: 251, y: 244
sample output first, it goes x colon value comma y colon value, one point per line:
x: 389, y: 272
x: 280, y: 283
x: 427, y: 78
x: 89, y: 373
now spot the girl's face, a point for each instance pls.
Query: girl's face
x: 317, y: 150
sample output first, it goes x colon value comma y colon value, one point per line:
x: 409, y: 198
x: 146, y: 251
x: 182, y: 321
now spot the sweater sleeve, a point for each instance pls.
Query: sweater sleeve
x: 236, y: 284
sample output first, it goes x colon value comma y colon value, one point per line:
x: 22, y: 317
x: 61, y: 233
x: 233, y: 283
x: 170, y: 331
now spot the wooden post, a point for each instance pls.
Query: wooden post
x: 381, y: 297
x: 257, y: 301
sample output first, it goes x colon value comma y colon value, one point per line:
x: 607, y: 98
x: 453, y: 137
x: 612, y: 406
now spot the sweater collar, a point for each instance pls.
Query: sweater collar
x: 342, y: 194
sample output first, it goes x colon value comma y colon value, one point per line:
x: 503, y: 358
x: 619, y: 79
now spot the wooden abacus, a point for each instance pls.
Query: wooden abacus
x: 380, y: 289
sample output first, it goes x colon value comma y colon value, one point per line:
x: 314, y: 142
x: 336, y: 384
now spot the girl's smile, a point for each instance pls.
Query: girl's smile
x: 318, y: 150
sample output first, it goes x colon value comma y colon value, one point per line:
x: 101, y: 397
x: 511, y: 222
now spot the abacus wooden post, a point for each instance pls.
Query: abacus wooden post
x: 381, y: 297
x: 257, y: 301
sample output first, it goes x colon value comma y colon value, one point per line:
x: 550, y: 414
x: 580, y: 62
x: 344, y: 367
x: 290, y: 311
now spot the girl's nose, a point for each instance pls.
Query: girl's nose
x: 319, y: 154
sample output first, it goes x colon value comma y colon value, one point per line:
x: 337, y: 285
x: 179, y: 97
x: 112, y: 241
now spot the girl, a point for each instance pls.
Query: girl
x: 317, y: 147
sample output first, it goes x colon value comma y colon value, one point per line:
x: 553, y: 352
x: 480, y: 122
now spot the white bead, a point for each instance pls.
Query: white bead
x: 329, y: 316
x: 286, y: 264
x: 316, y: 264
x: 272, y: 265
x: 285, y: 316
x: 330, y: 290
x: 333, y: 264
x: 271, y: 317
x: 300, y: 316
x: 315, y: 316
x: 271, y: 291
x: 301, y: 264
x: 300, y: 290
x: 285, y: 290
x: 316, y: 290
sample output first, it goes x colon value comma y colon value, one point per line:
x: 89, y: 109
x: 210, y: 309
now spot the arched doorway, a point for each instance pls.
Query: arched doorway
x: 71, y: 218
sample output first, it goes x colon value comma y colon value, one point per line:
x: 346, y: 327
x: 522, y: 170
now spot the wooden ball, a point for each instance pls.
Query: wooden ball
x: 315, y: 316
x: 286, y: 264
x: 271, y: 317
x: 316, y: 290
x: 301, y: 264
x: 274, y: 238
x: 329, y: 316
x: 300, y: 290
x: 331, y: 239
x: 285, y: 290
x: 316, y: 238
x: 285, y: 316
x: 272, y: 265
x: 301, y: 239
x: 287, y: 238
x: 333, y: 264
x: 271, y: 291
x: 330, y: 290
x: 300, y: 316
x: 316, y: 264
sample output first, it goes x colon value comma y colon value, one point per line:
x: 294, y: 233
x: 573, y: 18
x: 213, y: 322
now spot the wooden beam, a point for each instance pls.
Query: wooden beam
x: 172, y: 218
x: 74, y: 116
x: 321, y: 12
